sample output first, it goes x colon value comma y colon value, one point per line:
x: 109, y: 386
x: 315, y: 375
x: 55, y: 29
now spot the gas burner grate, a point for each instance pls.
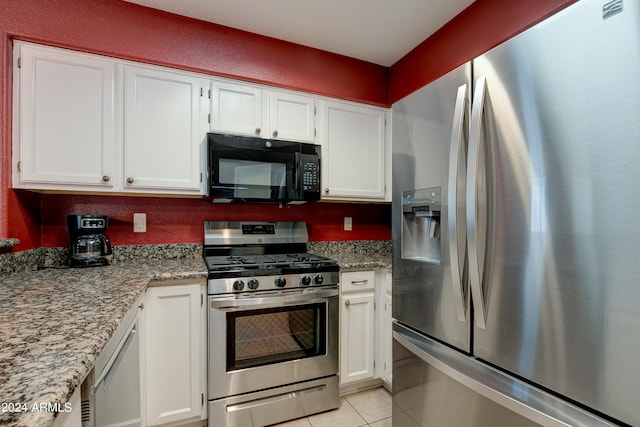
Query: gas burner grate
x: 266, y: 262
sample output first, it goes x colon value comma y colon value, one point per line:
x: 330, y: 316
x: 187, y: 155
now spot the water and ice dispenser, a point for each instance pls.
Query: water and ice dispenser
x: 421, y: 225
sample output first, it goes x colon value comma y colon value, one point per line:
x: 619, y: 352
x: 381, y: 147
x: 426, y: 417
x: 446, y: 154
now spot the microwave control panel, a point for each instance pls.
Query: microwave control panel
x: 310, y: 176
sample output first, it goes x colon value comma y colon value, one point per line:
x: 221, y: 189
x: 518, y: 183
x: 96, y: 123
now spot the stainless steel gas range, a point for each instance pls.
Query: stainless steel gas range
x: 273, y: 324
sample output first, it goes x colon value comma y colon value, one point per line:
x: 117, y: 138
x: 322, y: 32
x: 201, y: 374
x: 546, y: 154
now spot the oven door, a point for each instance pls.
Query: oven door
x: 258, y: 342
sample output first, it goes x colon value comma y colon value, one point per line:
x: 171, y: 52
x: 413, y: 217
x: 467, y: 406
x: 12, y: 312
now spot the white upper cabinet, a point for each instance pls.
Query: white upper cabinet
x: 64, y: 113
x: 354, y: 152
x: 236, y: 109
x: 89, y: 123
x: 291, y: 117
x: 162, y: 130
x: 256, y: 111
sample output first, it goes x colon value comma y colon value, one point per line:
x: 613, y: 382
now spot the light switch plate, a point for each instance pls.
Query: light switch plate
x: 348, y: 223
x: 139, y: 222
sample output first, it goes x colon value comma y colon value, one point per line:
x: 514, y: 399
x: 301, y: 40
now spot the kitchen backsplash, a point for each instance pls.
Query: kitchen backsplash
x: 59, y: 257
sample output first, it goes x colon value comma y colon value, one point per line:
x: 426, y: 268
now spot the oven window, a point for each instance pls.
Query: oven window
x: 265, y: 336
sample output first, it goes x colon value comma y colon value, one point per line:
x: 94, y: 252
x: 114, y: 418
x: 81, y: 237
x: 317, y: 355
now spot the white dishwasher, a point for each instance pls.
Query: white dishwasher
x: 111, y: 392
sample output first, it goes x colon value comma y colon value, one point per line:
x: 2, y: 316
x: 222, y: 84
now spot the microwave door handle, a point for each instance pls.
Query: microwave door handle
x: 296, y: 171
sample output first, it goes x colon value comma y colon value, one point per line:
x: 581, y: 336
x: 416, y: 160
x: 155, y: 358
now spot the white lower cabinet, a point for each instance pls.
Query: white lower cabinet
x: 384, y: 364
x: 357, y: 326
x: 365, y: 328
x: 174, y: 356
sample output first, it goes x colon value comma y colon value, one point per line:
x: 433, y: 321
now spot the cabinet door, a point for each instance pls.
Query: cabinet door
x: 356, y: 337
x: 384, y: 341
x: 237, y: 109
x: 64, y: 119
x: 174, y: 322
x: 387, y: 341
x: 163, y: 131
x: 354, y: 152
x: 291, y: 117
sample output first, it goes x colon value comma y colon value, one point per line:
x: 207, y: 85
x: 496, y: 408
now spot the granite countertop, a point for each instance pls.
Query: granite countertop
x: 55, y: 322
x: 355, y: 255
x: 357, y: 262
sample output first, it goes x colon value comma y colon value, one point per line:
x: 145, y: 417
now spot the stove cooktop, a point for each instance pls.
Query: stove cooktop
x: 271, y: 264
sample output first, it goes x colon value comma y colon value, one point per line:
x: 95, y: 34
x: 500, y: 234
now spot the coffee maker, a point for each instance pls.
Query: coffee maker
x: 88, y: 246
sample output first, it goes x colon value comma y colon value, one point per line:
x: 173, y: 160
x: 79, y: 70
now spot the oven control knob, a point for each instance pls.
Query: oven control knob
x: 318, y: 279
x: 238, y: 285
x: 280, y: 282
x: 253, y: 284
x: 305, y: 280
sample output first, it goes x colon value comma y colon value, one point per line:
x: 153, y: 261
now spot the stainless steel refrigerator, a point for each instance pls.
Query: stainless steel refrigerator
x: 516, y: 231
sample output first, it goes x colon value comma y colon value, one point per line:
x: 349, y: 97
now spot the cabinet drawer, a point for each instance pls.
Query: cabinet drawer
x: 357, y: 281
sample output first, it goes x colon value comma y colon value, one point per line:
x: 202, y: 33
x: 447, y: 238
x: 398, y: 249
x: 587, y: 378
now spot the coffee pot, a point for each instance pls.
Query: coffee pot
x: 88, y: 245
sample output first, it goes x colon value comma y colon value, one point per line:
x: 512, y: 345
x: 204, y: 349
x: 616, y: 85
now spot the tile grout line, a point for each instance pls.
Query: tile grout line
x: 346, y: 398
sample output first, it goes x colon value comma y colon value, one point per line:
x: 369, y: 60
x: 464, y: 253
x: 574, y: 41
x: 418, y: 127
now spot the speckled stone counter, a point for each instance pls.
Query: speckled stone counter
x: 355, y: 254
x: 55, y: 322
x: 8, y: 242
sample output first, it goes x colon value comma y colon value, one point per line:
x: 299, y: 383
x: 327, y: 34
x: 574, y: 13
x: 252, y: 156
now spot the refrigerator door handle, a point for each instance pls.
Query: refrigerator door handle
x: 475, y: 234
x: 456, y: 234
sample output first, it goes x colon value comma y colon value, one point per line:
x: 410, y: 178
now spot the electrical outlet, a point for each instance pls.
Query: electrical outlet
x: 348, y: 223
x: 139, y: 222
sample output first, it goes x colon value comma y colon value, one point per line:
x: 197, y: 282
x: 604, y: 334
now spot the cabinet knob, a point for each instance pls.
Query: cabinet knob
x: 326, y: 190
x: 105, y: 178
x: 347, y: 303
x: 258, y: 130
x: 129, y: 180
x: 275, y: 133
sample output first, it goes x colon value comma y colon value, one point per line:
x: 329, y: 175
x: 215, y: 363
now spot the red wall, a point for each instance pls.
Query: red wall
x: 181, y: 220
x: 480, y: 27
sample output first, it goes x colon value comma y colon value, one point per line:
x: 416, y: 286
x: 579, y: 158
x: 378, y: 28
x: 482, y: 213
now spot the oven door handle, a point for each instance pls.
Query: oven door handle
x: 251, y: 303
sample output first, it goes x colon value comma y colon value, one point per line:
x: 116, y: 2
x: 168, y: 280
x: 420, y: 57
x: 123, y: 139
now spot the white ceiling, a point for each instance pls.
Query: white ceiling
x: 377, y: 31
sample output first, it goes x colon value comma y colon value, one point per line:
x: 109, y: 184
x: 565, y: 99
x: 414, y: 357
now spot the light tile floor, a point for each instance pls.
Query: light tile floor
x: 366, y: 408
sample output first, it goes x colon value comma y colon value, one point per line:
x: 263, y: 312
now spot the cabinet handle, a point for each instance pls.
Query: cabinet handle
x: 360, y: 282
x: 105, y: 178
x: 258, y: 130
x: 129, y: 180
x: 347, y: 303
x: 275, y: 133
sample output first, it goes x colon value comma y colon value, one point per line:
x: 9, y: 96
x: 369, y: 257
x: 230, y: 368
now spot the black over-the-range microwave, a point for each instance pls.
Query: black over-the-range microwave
x: 243, y: 168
